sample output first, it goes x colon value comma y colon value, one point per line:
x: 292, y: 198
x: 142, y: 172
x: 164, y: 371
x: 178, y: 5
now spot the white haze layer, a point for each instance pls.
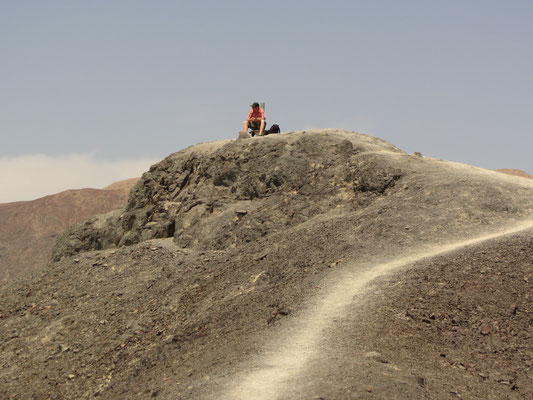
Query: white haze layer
x: 29, y: 177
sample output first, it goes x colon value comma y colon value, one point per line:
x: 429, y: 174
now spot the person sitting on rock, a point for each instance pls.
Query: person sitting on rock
x: 256, y: 119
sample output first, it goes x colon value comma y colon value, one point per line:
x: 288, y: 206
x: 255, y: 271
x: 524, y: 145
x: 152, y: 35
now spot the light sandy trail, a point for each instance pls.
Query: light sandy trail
x: 287, y: 357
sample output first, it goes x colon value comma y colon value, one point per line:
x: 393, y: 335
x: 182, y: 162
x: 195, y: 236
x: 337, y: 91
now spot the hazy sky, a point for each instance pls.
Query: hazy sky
x: 129, y: 82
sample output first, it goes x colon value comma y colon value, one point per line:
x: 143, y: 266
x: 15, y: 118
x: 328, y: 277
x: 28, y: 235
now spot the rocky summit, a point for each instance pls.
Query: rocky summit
x: 305, y: 265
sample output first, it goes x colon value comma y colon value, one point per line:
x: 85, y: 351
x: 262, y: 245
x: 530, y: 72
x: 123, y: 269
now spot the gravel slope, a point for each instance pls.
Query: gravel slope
x: 225, y: 248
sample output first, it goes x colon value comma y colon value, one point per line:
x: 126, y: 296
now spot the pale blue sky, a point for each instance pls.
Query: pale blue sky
x: 141, y: 79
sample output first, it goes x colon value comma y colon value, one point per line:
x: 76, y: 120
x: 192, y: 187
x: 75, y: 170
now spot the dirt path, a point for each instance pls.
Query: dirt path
x: 284, y: 358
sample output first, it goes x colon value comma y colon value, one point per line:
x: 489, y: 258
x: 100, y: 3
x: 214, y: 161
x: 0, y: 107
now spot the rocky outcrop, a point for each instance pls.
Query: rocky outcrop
x: 242, y: 190
x: 225, y: 194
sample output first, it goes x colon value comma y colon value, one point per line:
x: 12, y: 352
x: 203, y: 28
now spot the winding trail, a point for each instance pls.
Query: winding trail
x: 268, y: 377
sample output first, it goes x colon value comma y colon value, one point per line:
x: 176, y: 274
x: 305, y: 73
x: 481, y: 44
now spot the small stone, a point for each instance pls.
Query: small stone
x: 421, y: 381
x: 63, y: 348
x: 76, y: 260
x: 485, y: 329
x: 513, y: 309
x: 374, y: 355
x: 71, y: 376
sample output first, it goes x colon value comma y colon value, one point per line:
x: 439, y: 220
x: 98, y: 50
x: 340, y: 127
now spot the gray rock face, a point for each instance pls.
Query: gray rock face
x: 214, y: 196
x: 96, y: 233
x: 198, y: 197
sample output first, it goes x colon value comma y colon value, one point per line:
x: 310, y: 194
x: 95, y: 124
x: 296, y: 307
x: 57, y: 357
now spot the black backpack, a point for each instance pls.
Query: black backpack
x: 273, y: 129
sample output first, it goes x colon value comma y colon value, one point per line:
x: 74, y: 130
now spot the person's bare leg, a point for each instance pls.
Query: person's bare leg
x: 245, y: 128
x: 262, y: 128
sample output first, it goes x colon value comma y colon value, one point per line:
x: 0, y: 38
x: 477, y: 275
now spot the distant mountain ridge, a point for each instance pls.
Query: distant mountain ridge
x: 516, y: 172
x: 126, y: 185
x: 28, y: 229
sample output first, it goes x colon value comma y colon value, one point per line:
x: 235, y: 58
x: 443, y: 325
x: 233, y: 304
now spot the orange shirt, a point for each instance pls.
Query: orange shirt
x: 260, y: 113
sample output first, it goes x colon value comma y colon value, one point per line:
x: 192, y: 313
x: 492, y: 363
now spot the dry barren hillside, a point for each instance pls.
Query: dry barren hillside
x: 28, y: 229
x: 306, y: 265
